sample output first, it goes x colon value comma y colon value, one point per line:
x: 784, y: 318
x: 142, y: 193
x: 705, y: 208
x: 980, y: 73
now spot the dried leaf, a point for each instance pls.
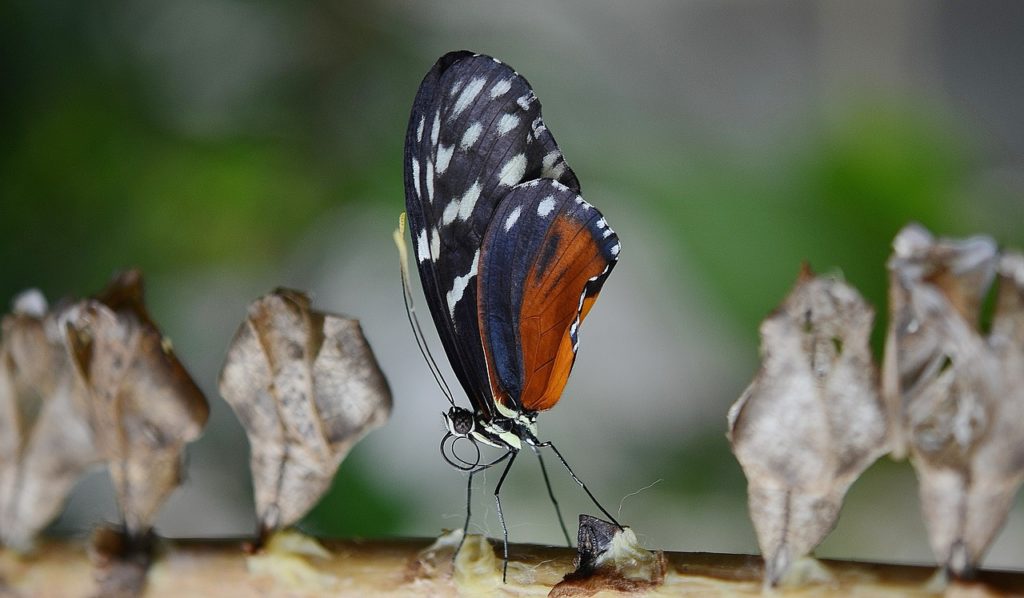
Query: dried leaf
x: 811, y: 421
x: 143, y: 406
x: 45, y: 441
x: 959, y: 396
x: 306, y: 387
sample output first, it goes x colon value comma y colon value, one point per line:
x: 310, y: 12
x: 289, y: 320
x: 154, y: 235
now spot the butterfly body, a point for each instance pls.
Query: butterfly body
x: 500, y: 432
x: 510, y: 255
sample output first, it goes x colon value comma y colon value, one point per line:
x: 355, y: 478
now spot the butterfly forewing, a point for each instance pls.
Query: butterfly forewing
x: 545, y: 256
x: 475, y: 132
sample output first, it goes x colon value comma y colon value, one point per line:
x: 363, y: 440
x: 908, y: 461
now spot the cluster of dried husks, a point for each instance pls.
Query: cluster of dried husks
x: 95, y: 381
x: 950, y: 396
x: 92, y: 381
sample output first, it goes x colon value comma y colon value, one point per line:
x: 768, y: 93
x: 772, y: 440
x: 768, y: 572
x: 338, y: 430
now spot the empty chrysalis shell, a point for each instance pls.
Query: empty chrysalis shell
x: 958, y: 396
x: 142, y: 405
x: 811, y: 421
x: 45, y: 440
x: 306, y: 387
x: 936, y: 288
x: 610, y: 559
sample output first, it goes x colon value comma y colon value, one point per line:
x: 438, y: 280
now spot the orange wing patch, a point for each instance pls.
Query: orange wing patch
x: 551, y: 301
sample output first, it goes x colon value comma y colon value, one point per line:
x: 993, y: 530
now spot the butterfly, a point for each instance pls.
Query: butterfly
x: 510, y: 256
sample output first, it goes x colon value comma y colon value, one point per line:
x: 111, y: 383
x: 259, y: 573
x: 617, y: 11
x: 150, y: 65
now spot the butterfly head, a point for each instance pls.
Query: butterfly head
x: 460, y: 422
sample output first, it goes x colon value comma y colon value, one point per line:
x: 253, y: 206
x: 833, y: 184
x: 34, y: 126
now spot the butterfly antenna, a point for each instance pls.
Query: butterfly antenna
x: 421, y: 343
x: 410, y: 312
x: 424, y: 348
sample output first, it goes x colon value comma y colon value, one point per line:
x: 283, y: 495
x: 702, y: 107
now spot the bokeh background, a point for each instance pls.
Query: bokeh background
x: 228, y: 147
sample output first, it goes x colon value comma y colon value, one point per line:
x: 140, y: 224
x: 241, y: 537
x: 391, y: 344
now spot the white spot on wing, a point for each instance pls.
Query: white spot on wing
x: 450, y: 212
x: 460, y: 284
x: 506, y: 123
x: 574, y: 329
x: 615, y: 249
x: 430, y: 181
x: 415, y: 175
x: 436, y: 128
x: 545, y: 206
x: 435, y: 244
x: 501, y: 88
x: 419, y: 129
x: 524, y: 101
x: 468, y: 201
x: 444, y: 156
x: 462, y: 207
x: 422, y: 251
x: 552, y: 166
x: 469, y: 93
x: 512, y: 218
x: 470, y: 136
x: 513, y: 170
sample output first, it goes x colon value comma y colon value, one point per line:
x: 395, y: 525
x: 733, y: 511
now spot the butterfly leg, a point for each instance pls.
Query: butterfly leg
x: 469, y: 498
x: 551, y: 495
x: 579, y: 481
x: 501, y: 516
x: 465, y: 526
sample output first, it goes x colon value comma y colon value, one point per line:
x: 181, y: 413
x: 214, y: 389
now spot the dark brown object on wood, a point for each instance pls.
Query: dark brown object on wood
x: 609, y: 559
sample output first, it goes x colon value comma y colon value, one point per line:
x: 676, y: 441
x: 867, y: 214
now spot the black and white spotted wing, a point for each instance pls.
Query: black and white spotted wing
x: 474, y: 133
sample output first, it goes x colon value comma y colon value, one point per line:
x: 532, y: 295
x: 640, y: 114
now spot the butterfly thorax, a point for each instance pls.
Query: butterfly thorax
x: 505, y: 431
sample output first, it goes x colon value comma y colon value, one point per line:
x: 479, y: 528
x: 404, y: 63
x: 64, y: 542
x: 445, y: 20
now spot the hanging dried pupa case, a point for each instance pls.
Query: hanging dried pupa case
x: 307, y: 387
x: 811, y: 421
x: 958, y: 395
x: 45, y: 440
x: 941, y: 281
x: 143, y: 406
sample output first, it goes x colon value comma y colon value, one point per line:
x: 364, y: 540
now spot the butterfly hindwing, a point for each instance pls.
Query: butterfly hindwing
x: 474, y: 133
x: 545, y: 257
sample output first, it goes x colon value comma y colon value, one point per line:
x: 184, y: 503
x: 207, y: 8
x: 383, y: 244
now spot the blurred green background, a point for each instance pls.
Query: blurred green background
x: 227, y: 147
